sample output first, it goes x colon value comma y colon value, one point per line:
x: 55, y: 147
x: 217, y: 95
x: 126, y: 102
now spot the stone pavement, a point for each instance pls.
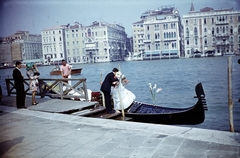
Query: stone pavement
x: 26, y: 133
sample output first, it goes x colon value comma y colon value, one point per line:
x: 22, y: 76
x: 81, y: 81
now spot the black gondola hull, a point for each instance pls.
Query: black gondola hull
x: 142, y: 112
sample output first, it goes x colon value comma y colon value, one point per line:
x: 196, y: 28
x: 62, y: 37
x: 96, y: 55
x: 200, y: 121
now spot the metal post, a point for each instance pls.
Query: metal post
x: 230, y: 100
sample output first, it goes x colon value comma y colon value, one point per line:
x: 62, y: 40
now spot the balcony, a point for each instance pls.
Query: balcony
x: 91, y: 48
x: 222, y: 23
x: 222, y: 35
x: 147, y: 41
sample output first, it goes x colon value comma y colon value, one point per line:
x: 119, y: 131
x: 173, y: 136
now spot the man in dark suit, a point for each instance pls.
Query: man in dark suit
x: 109, y: 81
x: 19, y: 86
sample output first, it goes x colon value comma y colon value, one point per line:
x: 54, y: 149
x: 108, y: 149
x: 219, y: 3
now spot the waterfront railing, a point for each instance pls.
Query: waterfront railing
x: 54, y: 88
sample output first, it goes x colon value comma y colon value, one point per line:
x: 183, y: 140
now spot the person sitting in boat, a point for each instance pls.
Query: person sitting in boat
x: 119, y: 91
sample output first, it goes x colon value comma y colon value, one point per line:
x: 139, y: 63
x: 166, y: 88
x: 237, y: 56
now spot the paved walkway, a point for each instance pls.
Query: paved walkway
x: 35, y: 134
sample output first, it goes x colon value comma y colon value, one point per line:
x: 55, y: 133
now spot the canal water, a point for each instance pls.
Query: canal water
x: 176, y: 77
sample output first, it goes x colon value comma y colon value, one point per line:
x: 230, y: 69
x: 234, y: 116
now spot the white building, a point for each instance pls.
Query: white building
x: 99, y: 42
x: 53, y: 44
x: 158, y: 34
x: 210, y: 32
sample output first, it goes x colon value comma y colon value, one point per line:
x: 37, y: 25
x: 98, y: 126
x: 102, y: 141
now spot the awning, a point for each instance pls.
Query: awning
x: 172, y: 52
x: 152, y: 53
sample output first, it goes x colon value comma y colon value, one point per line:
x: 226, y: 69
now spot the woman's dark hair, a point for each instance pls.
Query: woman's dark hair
x: 115, y: 70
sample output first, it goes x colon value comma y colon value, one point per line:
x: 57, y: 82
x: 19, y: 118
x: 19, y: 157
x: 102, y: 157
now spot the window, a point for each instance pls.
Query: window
x: 187, y: 42
x: 213, y: 31
x: 231, y: 29
x: 205, y: 30
x: 196, y: 41
x: 195, y: 31
x: 89, y: 33
x: 148, y: 36
x: 212, y: 20
x: 205, y: 21
x: 187, y: 32
x: 186, y: 22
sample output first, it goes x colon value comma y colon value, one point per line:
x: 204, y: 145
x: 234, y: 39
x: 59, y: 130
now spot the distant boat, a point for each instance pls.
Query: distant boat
x: 197, y: 54
x: 128, y: 58
x: 56, y: 71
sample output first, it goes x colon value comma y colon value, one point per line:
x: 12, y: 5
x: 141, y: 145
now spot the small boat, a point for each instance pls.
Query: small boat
x: 197, y: 54
x: 56, y: 71
x: 148, y: 113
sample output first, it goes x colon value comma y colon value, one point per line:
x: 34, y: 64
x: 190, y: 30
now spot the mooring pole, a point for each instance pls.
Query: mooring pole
x: 239, y: 63
x: 230, y: 100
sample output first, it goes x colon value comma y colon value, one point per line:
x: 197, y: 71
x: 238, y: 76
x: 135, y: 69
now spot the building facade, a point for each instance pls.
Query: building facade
x: 21, y: 46
x: 210, y: 32
x: 158, y: 34
x: 99, y: 42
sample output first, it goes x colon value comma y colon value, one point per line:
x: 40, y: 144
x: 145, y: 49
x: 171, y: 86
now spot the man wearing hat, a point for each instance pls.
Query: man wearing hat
x: 19, y: 86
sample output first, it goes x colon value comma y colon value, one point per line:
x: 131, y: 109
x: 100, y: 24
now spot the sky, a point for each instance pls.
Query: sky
x: 37, y: 15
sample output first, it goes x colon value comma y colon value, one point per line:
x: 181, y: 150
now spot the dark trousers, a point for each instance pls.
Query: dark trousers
x: 20, y: 98
x: 107, y: 97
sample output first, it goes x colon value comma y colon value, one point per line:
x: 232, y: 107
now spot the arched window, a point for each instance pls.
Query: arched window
x: 89, y: 33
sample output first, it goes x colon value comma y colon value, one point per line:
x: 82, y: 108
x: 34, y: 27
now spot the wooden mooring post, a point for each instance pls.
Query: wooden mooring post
x: 230, y: 99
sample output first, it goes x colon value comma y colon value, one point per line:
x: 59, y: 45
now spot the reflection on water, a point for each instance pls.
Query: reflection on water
x: 177, y: 78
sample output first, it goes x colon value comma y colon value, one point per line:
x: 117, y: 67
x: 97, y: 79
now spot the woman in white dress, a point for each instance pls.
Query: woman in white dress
x: 118, y: 91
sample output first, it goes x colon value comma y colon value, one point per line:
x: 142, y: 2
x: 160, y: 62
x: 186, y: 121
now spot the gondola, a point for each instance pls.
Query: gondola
x: 142, y: 112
